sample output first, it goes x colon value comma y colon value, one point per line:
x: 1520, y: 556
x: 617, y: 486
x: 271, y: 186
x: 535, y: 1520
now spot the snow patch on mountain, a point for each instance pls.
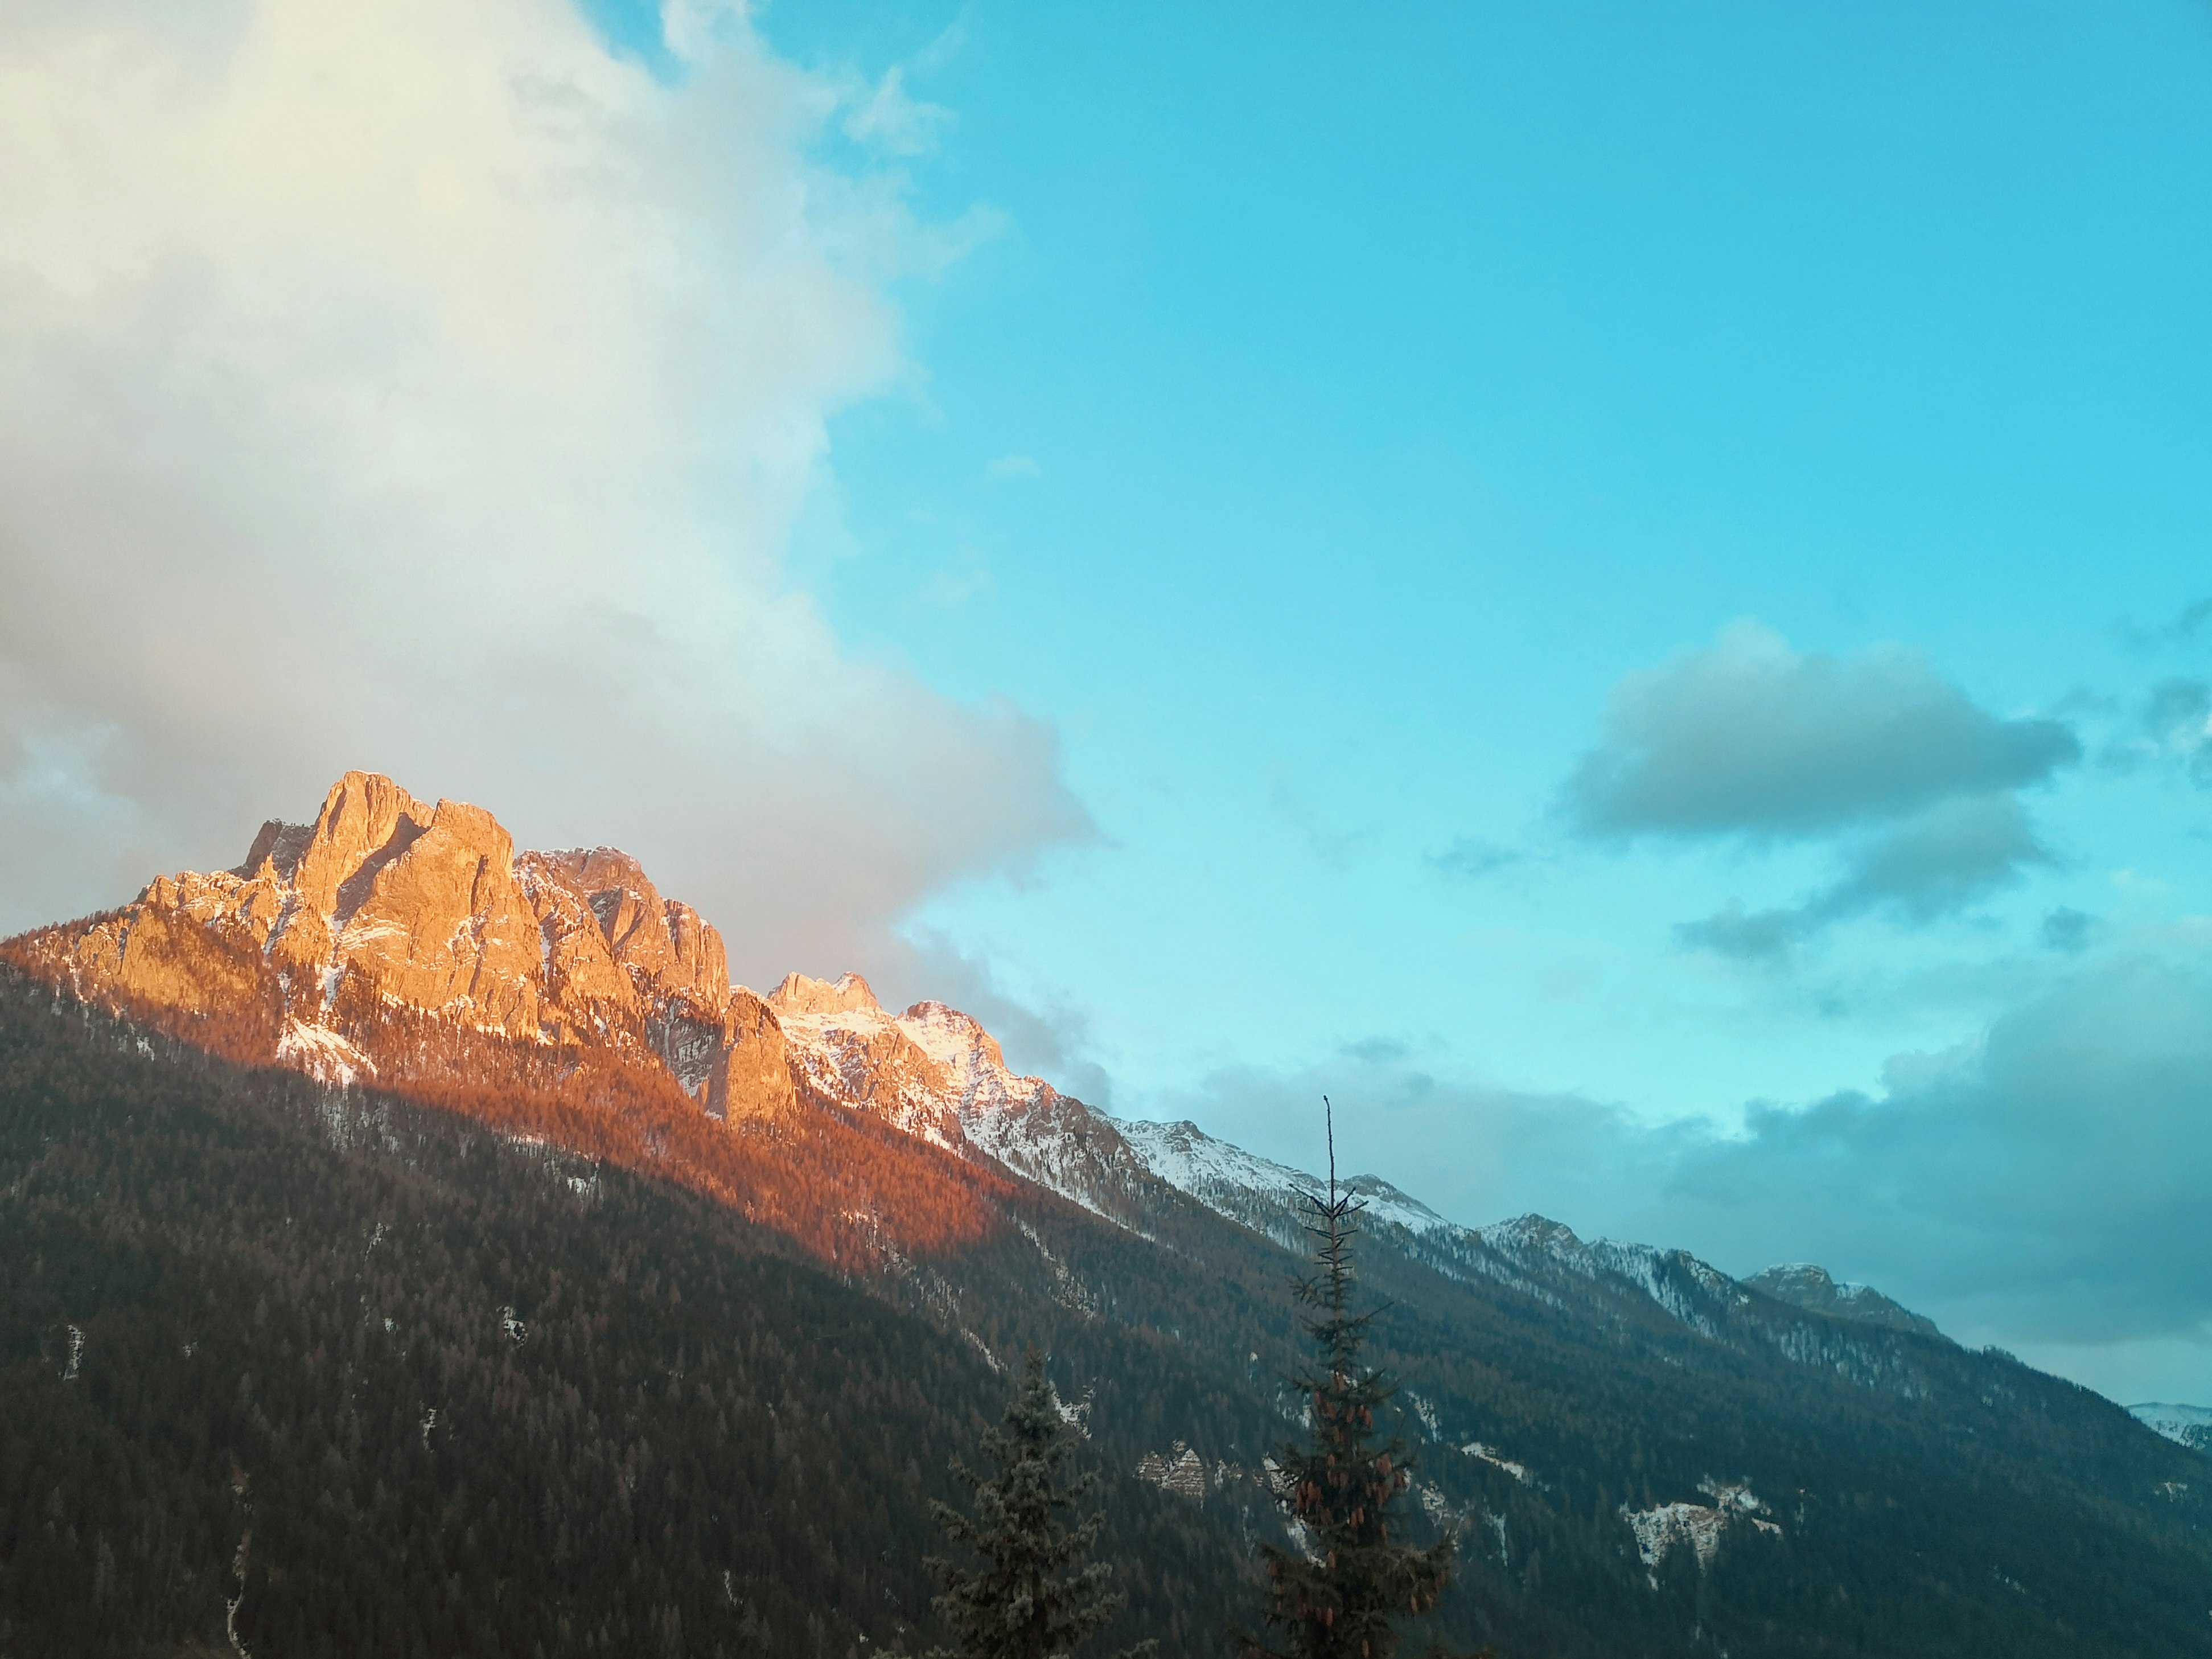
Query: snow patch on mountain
x: 323, y: 1054
x: 1489, y: 1454
x: 1227, y: 1178
x: 1677, y: 1281
x: 936, y: 1072
x: 1659, y: 1530
x: 2186, y: 1425
x: 1211, y: 1171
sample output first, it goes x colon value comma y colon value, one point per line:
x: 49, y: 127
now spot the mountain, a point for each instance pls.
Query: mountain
x: 296, y: 1369
x: 384, y: 900
x: 1637, y: 1453
x: 2185, y: 1425
x: 1802, y: 1284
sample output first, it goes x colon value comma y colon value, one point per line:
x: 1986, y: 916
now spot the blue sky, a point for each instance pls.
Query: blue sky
x: 1349, y: 401
x: 1392, y: 392
x: 1624, y: 589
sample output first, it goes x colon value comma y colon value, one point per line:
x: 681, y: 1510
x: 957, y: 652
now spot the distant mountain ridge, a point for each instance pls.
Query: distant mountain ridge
x: 2185, y: 1425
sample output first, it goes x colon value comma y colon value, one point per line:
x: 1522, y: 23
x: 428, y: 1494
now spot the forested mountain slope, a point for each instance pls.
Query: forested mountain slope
x: 345, y: 1375
x: 390, y: 1069
x: 637, y: 1392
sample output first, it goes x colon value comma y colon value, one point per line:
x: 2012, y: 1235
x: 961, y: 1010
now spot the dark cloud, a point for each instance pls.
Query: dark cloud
x: 1750, y: 740
x: 2050, y: 1179
x: 1377, y: 1049
x: 1472, y: 857
x: 1750, y: 737
x: 1938, y: 861
x: 2177, y: 719
x: 2180, y: 629
x: 1747, y: 935
x: 2069, y: 930
x: 1933, y: 864
x: 2044, y: 1182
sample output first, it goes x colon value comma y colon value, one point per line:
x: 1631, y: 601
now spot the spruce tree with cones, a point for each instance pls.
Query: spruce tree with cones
x: 1342, y: 1593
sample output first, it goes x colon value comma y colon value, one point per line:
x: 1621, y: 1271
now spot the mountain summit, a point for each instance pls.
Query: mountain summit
x: 384, y: 901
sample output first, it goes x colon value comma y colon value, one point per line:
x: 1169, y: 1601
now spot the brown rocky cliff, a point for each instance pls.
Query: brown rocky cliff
x: 430, y: 909
x: 444, y: 924
x: 309, y: 952
x: 558, y: 996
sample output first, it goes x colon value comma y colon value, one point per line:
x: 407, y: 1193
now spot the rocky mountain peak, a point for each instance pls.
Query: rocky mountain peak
x: 662, y: 944
x: 279, y: 846
x: 385, y: 902
x: 847, y: 994
x: 1803, y: 1284
x: 953, y: 1038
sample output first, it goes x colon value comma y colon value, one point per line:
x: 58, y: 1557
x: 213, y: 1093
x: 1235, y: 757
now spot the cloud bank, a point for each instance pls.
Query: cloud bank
x: 2043, y: 1180
x: 419, y: 387
x: 1751, y: 741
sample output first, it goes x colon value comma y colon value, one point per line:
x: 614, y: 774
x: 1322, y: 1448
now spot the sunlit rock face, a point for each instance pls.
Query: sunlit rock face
x: 936, y: 1073
x: 387, y: 902
x: 430, y: 909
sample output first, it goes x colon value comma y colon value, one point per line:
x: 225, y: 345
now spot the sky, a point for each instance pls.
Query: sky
x: 1623, y: 591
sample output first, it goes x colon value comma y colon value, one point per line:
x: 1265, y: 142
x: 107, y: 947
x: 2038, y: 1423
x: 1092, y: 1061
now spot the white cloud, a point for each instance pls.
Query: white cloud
x: 892, y: 120
x: 420, y: 388
x: 1014, y: 466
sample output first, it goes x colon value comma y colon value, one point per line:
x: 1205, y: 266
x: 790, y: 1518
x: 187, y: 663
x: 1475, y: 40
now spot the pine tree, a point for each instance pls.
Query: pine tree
x: 1035, y: 1598
x: 1340, y: 1597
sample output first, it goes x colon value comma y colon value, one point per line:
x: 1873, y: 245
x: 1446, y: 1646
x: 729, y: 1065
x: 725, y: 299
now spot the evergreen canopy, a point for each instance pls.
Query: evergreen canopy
x: 1340, y: 1597
x: 1036, y: 1596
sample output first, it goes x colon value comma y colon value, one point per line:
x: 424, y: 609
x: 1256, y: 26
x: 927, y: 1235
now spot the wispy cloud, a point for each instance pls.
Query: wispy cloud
x: 1013, y: 466
x: 2068, y: 930
x: 892, y: 120
x: 2182, y: 628
x: 1472, y: 857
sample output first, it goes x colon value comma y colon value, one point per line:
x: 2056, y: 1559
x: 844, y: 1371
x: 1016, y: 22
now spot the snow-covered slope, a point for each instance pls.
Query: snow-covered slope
x: 1238, y: 1184
x: 2189, y: 1425
x: 1542, y: 1259
x: 936, y: 1072
x: 1268, y: 1196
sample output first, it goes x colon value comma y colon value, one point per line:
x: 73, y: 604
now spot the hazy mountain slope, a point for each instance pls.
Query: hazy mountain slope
x: 1950, y: 1500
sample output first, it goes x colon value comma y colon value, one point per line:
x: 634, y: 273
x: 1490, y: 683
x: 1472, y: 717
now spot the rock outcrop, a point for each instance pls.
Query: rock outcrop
x: 1803, y: 1284
x: 429, y: 908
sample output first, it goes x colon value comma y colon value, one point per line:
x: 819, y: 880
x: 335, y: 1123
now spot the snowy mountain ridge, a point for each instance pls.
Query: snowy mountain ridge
x: 1531, y: 1253
x: 2185, y: 1425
